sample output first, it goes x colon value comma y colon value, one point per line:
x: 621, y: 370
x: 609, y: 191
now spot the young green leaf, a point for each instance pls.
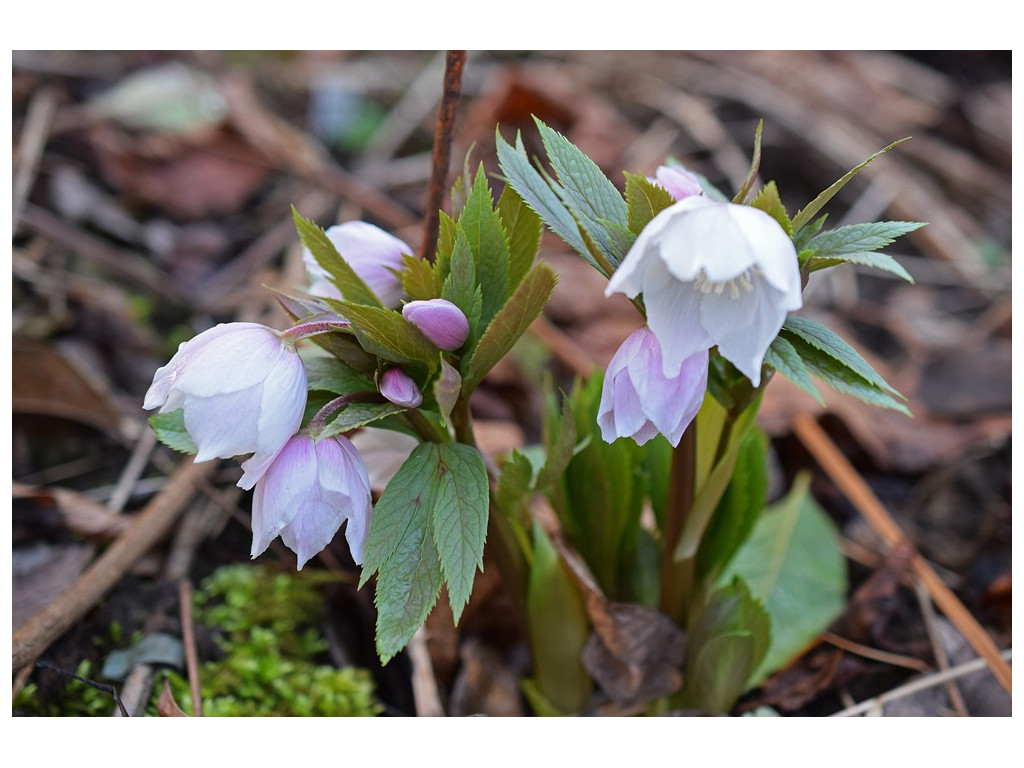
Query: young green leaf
x: 821, y: 200
x: 793, y: 563
x: 385, y: 333
x: 170, y: 430
x: 357, y: 415
x: 342, y: 275
x: 420, y: 280
x: 482, y: 228
x: 509, y: 324
x: 523, y: 230
x: 644, y: 201
x: 755, y: 164
x: 768, y: 200
x: 856, y: 243
x: 330, y: 374
x: 784, y: 358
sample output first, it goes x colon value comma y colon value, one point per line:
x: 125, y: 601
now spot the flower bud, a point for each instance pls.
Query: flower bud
x: 400, y: 389
x: 679, y: 182
x: 441, y: 321
x: 373, y: 254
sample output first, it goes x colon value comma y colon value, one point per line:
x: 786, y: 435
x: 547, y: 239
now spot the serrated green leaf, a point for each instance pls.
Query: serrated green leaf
x: 462, y: 288
x: 768, y: 200
x: 536, y: 193
x: 855, y: 244
x: 509, y: 324
x: 587, y: 192
x: 420, y: 281
x: 445, y: 244
x: 523, y: 229
x: 784, y: 358
x: 728, y: 639
x: 560, y: 447
x: 482, y: 228
x: 842, y: 378
x: 385, y: 333
x: 459, y: 517
x: 355, y: 415
x: 821, y: 200
x: 755, y: 164
x: 820, y: 337
x: 515, y: 484
x: 875, y: 260
x: 801, y: 238
x: 170, y: 430
x: 793, y: 563
x: 644, y: 201
x: 332, y: 375
x: 352, y: 287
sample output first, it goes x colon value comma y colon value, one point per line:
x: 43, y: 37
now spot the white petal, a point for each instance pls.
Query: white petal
x: 744, y: 329
x: 221, y: 426
x: 232, y: 362
x: 673, y: 314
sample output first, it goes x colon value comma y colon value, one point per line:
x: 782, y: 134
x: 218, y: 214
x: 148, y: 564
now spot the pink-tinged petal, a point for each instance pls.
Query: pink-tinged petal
x: 281, y: 493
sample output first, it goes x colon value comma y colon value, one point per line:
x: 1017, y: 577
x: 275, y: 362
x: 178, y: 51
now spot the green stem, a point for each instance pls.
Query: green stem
x: 677, y: 576
x: 425, y: 428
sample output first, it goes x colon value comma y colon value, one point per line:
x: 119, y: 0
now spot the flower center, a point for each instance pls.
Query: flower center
x: 742, y: 283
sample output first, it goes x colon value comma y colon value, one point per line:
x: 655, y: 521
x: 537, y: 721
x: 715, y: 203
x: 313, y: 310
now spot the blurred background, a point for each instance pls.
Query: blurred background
x: 152, y: 195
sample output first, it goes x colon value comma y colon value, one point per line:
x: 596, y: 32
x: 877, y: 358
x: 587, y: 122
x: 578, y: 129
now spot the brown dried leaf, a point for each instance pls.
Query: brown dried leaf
x: 166, y: 706
x: 81, y: 514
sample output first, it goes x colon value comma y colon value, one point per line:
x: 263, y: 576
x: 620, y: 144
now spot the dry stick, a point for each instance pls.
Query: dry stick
x: 896, y: 659
x: 975, y: 665
x: 941, y: 657
x: 30, y: 148
x: 863, y: 498
x: 189, y: 639
x: 149, y: 527
x: 454, y: 63
x: 425, y: 692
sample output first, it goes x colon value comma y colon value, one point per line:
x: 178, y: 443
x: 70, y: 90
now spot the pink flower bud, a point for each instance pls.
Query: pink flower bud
x: 441, y: 321
x: 400, y: 389
x: 638, y: 400
x: 308, y: 491
x: 679, y: 182
x: 243, y: 389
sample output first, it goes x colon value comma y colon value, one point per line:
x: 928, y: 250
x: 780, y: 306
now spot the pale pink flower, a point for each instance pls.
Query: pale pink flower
x: 678, y: 181
x: 243, y: 390
x: 373, y: 254
x: 310, y: 489
x: 638, y: 400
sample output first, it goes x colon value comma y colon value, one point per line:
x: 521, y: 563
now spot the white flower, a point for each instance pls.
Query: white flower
x: 311, y: 488
x: 638, y: 400
x: 371, y: 252
x: 243, y: 388
x: 712, y: 274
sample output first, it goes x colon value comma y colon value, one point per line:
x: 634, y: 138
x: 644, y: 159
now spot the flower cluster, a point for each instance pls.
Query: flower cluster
x: 242, y: 388
x: 711, y: 274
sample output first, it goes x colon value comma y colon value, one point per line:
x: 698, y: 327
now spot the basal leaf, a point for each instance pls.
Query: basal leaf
x: 352, y: 287
x: 793, y: 563
x: 170, y: 430
x: 509, y: 324
x: 459, y: 517
x: 644, y: 201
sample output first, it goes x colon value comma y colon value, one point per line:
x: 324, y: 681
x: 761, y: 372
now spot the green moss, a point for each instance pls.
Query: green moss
x: 271, y: 643
x: 74, y: 699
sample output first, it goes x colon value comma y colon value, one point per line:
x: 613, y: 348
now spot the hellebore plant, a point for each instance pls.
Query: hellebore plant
x: 642, y: 516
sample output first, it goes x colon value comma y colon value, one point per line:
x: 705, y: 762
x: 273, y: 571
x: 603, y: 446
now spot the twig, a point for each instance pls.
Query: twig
x: 454, y: 63
x: 863, y: 498
x: 424, y: 683
x: 941, y: 657
x: 898, y: 660
x: 148, y: 528
x: 922, y: 684
x: 30, y: 148
x: 189, y: 639
x: 130, y: 474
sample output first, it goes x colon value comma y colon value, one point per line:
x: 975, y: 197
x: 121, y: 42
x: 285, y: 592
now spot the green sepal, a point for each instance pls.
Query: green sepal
x: 170, y: 430
x: 352, y: 287
x: 645, y: 200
